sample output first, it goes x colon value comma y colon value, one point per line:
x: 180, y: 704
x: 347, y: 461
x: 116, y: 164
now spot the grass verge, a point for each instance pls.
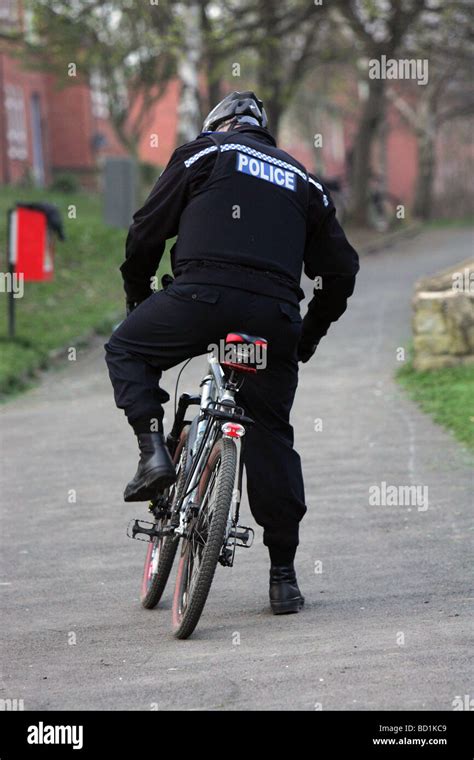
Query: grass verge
x: 447, y: 395
x: 85, y: 296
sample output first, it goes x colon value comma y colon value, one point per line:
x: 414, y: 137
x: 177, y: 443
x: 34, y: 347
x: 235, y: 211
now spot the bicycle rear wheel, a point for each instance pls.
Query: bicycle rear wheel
x: 162, y: 550
x: 203, y: 544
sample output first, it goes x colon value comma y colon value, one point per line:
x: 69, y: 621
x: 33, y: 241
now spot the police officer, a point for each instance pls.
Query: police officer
x: 248, y: 218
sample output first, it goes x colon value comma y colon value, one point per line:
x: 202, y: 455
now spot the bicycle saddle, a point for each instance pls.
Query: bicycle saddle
x: 243, y: 338
x: 244, y: 353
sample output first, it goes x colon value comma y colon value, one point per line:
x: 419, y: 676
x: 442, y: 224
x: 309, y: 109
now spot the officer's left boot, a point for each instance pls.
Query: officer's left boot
x: 155, y: 469
x: 285, y: 596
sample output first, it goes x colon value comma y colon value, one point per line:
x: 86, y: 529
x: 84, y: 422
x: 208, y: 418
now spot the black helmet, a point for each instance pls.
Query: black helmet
x: 245, y: 106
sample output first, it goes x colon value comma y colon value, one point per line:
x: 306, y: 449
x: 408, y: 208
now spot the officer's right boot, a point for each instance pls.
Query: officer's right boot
x: 155, y: 469
x: 285, y: 596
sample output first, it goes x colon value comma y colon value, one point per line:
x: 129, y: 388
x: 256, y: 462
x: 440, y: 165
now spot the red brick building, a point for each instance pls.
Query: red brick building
x: 43, y: 130
x: 46, y: 130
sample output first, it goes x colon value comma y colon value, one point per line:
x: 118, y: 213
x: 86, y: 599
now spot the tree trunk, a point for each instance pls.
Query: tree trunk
x: 270, y: 90
x: 274, y: 109
x: 211, y: 60
x: 372, y: 115
x: 426, y: 164
x: 269, y: 69
x: 189, y: 109
x: 213, y: 88
x: 128, y: 139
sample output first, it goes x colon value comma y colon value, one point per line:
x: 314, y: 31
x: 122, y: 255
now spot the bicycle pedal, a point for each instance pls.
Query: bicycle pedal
x: 137, y: 527
x: 226, y: 557
x: 243, y: 536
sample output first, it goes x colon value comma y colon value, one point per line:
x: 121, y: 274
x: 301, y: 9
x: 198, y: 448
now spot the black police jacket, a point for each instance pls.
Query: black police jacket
x: 246, y: 214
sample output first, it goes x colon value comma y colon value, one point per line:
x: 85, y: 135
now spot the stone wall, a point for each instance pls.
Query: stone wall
x: 443, y: 318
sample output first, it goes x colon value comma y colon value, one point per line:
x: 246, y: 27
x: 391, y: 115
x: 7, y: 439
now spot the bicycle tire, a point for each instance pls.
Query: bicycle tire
x: 224, y: 456
x: 382, y: 210
x: 152, y: 589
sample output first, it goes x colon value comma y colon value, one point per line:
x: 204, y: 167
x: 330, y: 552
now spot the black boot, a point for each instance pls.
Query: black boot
x: 155, y: 469
x: 285, y: 596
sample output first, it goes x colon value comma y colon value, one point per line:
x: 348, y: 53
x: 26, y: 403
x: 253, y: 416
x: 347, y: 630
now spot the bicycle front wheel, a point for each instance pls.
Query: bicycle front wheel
x: 162, y: 551
x: 203, y: 544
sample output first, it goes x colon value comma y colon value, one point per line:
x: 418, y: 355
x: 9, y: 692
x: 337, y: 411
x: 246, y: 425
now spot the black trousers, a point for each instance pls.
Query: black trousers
x: 182, y: 321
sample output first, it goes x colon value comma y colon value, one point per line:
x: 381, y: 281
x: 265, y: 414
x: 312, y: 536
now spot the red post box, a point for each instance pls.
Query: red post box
x: 30, y: 245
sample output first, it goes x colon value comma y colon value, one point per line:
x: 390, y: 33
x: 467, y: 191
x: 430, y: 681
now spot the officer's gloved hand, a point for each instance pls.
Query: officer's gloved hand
x: 306, y: 349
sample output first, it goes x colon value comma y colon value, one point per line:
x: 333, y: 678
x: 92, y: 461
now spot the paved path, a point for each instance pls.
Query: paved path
x: 389, y: 574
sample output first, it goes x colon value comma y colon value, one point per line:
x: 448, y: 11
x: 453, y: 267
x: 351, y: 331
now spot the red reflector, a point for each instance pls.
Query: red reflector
x: 233, y: 430
x: 239, y: 367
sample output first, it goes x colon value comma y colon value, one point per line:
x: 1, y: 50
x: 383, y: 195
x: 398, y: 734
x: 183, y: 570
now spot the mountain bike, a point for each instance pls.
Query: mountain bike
x: 201, y: 509
x: 382, y: 206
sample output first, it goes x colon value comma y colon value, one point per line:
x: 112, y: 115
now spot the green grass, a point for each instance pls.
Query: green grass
x: 447, y: 395
x: 85, y: 295
x: 465, y: 221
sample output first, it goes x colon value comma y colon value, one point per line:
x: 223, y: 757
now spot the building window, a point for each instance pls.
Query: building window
x: 17, y: 138
x: 99, y: 96
x: 9, y: 15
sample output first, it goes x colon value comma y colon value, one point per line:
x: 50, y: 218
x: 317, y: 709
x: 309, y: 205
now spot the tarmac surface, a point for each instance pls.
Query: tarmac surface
x: 388, y: 610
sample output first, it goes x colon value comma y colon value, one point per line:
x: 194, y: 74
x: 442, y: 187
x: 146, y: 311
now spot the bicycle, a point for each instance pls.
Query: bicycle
x: 382, y: 206
x: 201, y: 509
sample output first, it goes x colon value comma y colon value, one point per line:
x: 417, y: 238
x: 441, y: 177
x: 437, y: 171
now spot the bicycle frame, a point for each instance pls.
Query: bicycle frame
x: 217, y: 406
x: 219, y: 416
